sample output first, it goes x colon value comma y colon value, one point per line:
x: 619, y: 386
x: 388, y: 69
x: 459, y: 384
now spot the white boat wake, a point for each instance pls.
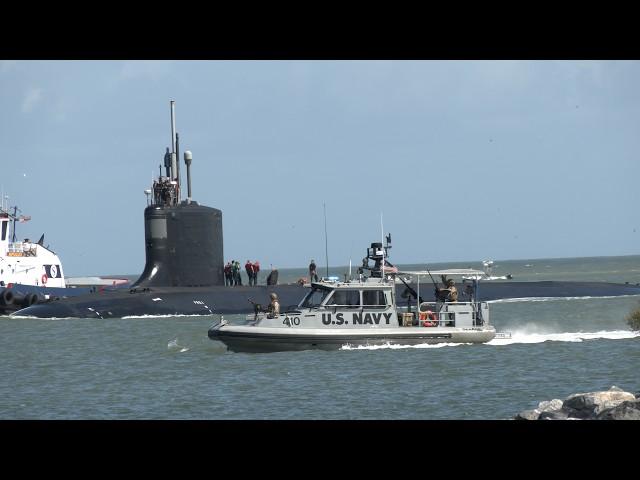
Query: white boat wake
x: 398, y: 347
x: 523, y: 337
x: 173, y: 345
x: 516, y: 338
x: 553, y: 299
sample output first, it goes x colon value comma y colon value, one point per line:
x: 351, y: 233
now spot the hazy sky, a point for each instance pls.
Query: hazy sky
x: 465, y: 160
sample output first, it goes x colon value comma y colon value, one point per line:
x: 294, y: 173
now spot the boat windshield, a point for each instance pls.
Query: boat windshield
x: 315, y: 297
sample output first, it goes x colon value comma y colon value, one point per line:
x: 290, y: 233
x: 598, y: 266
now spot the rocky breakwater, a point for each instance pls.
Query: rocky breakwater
x: 612, y: 404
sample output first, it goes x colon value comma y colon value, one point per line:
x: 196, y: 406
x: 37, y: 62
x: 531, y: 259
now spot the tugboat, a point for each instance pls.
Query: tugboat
x: 32, y: 274
x: 362, y: 311
x: 29, y: 271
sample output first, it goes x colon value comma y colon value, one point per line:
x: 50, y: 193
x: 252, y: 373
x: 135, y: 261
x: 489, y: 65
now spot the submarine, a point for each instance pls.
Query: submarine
x: 184, y: 262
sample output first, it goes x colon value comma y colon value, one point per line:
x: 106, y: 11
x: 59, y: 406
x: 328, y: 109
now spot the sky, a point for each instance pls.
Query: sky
x: 458, y: 160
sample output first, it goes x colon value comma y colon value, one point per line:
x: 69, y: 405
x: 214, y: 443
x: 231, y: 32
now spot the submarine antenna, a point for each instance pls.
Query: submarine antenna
x: 187, y: 161
x: 174, y: 168
x: 178, y: 168
x: 326, y: 248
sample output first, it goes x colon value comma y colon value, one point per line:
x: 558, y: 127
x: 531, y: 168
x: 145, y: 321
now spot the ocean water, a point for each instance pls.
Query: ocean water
x: 167, y: 368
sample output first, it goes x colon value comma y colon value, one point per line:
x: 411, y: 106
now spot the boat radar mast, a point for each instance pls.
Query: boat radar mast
x: 379, y: 255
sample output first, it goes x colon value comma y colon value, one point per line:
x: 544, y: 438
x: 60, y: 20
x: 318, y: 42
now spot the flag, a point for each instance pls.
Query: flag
x: 24, y: 218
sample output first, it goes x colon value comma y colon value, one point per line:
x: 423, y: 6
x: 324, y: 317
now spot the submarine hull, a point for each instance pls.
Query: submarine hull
x: 491, y: 291
x: 159, y: 301
x: 165, y: 301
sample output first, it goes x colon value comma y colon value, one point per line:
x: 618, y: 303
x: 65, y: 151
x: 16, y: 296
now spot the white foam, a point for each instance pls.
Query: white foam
x: 516, y: 338
x: 524, y: 337
x: 173, y: 345
x: 552, y: 299
x: 397, y: 347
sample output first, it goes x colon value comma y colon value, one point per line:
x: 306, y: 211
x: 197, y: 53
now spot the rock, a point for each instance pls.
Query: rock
x: 585, y: 405
x: 612, y: 404
x: 554, y: 415
x: 555, y: 404
x: 528, y: 415
x: 627, y: 410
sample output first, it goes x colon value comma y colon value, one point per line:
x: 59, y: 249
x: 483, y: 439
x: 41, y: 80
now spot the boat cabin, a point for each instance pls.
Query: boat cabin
x: 371, y: 302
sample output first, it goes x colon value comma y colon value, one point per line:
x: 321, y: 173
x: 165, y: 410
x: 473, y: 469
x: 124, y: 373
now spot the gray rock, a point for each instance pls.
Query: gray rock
x: 528, y: 415
x: 627, y: 410
x: 554, y: 415
x: 612, y: 404
x: 549, y: 406
x: 590, y: 404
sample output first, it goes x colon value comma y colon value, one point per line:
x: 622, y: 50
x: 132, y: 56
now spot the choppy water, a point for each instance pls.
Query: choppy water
x: 167, y: 368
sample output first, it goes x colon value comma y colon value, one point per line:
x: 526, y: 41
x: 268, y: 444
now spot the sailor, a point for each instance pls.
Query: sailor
x: 448, y: 294
x: 313, y: 276
x: 272, y: 278
x: 249, y: 269
x: 235, y: 270
x: 256, y: 270
x: 228, y: 278
x: 273, y: 310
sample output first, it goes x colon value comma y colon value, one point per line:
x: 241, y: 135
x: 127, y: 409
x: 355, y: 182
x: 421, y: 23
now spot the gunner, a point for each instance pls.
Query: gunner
x: 448, y: 294
x: 273, y: 310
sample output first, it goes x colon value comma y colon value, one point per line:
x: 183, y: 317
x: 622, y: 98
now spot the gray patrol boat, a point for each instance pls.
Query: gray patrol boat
x: 363, y: 311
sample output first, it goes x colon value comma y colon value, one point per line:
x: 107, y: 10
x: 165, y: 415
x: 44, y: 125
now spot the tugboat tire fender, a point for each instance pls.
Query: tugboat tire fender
x: 7, y: 297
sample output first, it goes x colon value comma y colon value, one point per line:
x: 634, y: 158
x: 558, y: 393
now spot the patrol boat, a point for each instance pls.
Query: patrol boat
x: 361, y: 311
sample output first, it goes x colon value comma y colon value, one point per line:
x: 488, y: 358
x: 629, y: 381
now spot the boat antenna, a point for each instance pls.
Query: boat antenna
x: 382, y: 243
x: 326, y: 244
x: 15, y: 212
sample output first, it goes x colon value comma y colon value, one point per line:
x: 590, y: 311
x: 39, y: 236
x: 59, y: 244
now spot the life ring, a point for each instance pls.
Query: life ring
x: 429, y: 319
x: 44, y: 278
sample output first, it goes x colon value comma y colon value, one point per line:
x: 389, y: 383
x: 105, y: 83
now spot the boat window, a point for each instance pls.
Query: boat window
x: 345, y: 298
x: 4, y: 230
x: 373, y: 298
x: 315, y: 297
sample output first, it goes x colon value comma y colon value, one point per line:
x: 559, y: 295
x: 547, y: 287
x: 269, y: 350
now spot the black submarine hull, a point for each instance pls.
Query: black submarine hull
x: 165, y: 301
x: 172, y: 301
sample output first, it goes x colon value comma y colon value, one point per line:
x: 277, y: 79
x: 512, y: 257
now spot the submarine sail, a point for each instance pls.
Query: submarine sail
x: 183, y: 240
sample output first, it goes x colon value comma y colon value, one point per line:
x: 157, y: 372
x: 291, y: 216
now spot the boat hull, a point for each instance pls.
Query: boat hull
x: 252, y: 339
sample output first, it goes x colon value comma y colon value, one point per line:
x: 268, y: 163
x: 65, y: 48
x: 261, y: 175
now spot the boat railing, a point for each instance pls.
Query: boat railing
x: 438, y: 314
x: 22, y: 249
